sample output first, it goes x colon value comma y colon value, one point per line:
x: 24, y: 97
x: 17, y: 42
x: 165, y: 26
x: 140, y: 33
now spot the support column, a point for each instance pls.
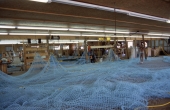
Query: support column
x: 61, y: 49
x: 77, y: 49
x: 144, y: 47
x: 167, y: 47
x: 115, y: 45
x: 98, y: 52
x: 85, y: 49
x: 47, y: 44
x: 127, y: 51
x: 70, y: 52
x: 134, y: 44
x: 163, y: 44
x: 151, y: 43
x: 24, y: 57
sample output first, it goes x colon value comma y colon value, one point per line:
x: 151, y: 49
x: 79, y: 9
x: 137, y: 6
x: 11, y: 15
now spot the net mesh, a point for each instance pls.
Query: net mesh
x: 120, y: 85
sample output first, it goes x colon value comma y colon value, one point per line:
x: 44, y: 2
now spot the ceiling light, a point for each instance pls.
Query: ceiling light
x: 165, y: 34
x: 41, y: 28
x: 12, y: 27
x: 43, y: 1
x: 67, y: 34
x: 121, y: 11
x: 27, y: 34
x: 168, y: 21
x: 75, y: 3
x: 66, y: 41
x: 156, y: 37
x: 93, y: 35
x: 9, y: 42
x: 146, y: 16
x: 87, y: 5
x: 156, y: 34
x: 86, y: 30
x: 3, y: 33
x: 117, y: 32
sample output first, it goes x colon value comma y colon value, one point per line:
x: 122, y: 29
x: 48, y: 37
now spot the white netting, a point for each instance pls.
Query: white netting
x: 120, y: 85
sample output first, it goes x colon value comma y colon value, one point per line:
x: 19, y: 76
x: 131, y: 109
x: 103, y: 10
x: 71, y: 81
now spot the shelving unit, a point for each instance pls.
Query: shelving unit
x: 31, y: 49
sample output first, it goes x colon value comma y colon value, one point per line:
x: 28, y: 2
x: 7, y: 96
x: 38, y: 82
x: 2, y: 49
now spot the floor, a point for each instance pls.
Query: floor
x: 17, y: 73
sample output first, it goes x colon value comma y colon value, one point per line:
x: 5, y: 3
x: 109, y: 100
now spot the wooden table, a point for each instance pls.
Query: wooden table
x: 3, y: 67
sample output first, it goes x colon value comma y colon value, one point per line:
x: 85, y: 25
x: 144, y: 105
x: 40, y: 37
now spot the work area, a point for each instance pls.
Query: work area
x: 84, y: 55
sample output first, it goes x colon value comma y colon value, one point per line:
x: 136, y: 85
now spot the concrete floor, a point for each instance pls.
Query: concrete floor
x: 16, y: 73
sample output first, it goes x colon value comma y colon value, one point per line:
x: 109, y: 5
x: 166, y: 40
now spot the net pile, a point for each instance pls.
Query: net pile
x: 120, y: 85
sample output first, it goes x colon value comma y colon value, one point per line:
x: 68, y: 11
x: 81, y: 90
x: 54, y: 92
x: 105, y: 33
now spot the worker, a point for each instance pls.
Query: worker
x: 141, y: 49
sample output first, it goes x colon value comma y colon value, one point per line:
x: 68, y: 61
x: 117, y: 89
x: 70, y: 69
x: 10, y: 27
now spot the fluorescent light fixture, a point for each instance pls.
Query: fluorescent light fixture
x: 116, y: 32
x: 110, y: 40
x: 3, y: 33
x: 27, y: 34
x: 146, y: 16
x: 155, y: 34
x: 81, y: 4
x: 168, y: 21
x: 122, y: 11
x: 88, y: 30
x: 67, y: 34
x: 41, y: 28
x: 10, y: 42
x: 63, y: 41
x: 126, y: 40
x: 165, y: 34
x: 43, y: 1
x: 87, y: 5
x: 156, y: 37
x: 66, y: 41
x: 12, y: 27
x: 119, y: 36
x: 91, y: 40
x: 93, y: 35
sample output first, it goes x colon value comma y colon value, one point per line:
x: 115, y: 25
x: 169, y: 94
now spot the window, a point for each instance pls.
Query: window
x: 130, y: 44
x: 65, y: 47
x: 8, y: 48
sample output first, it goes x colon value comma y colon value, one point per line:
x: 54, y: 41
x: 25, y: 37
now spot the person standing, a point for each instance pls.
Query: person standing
x: 141, y: 52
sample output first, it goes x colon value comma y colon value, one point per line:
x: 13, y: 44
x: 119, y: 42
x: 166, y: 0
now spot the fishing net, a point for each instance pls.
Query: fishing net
x: 109, y: 85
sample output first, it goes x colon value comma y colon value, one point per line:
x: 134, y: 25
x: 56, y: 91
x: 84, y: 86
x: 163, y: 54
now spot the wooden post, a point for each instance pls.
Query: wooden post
x: 78, y: 52
x: 135, y: 47
x: 163, y: 44
x: 151, y: 42
x: 98, y: 50
x: 47, y: 44
x: 151, y: 46
x: 53, y: 48
x: 167, y: 47
x: 61, y: 49
x: 24, y: 58
x: 85, y: 49
x: 144, y: 47
x: 127, y: 51
x: 115, y: 45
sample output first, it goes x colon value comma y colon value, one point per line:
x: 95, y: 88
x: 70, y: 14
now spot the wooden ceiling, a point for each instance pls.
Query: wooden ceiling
x: 29, y: 13
x: 159, y: 8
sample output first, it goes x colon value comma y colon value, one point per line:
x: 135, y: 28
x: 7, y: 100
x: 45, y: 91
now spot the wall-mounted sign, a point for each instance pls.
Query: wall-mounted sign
x: 104, y: 38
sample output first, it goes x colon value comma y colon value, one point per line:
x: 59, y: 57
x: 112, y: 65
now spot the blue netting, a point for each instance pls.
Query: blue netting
x: 120, y: 85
